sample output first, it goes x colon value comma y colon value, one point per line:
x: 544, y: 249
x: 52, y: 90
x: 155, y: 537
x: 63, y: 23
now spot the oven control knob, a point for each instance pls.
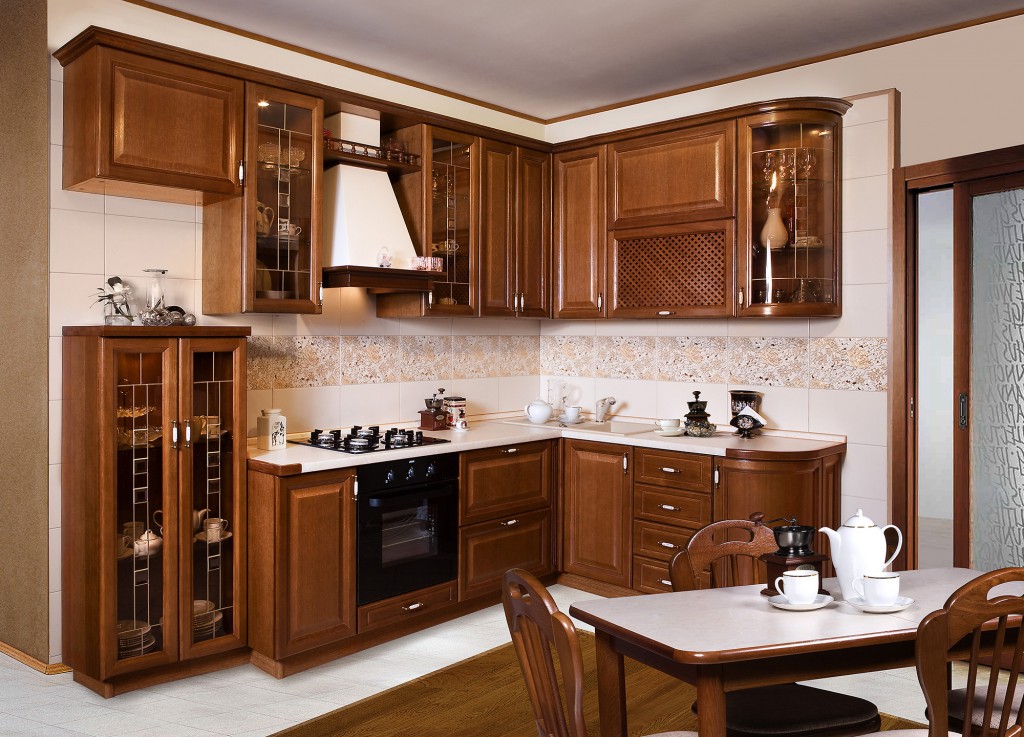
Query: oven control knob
x: 390, y: 477
x: 412, y: 472
x: 431, y: 469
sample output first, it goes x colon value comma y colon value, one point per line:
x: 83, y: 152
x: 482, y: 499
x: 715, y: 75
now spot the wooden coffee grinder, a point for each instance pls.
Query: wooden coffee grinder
x: 794, y: 541
x: 434, y: 417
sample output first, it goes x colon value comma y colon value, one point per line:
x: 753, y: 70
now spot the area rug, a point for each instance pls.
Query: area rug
x: 485, y: 696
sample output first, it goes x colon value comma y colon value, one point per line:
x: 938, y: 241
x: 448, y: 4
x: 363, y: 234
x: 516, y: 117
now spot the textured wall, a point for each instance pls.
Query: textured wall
x: 24, y: 221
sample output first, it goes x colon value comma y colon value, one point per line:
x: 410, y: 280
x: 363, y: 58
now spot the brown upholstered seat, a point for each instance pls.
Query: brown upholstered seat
x: 539, y: 632
x: 729, y: 551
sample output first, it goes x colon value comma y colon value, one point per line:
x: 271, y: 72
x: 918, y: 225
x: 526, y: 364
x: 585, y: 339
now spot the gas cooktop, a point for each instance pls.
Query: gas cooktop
x: 368, y: 439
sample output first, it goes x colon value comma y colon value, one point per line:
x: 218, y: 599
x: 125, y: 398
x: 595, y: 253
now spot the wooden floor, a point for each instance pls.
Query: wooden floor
x: 485, y: 696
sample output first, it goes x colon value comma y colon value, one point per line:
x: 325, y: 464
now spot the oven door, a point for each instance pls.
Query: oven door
x: 407, y: 540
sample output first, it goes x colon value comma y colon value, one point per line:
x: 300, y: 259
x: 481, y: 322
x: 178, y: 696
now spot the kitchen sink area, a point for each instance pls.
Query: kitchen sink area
x: 608, y: 427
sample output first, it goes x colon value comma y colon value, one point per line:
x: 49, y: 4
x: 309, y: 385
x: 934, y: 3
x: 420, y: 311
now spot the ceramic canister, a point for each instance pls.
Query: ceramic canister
x: 271, y: 430
x: 456, y: 408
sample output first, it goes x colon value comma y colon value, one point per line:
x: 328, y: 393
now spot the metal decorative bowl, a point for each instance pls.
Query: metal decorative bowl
x: 794, y: 540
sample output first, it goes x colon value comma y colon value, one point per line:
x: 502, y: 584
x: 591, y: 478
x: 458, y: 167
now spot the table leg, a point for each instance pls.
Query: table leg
x: 710, y: 702
x: 611, y: 687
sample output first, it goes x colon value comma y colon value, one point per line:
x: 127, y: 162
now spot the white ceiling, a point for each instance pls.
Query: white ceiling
x: 548, y: 58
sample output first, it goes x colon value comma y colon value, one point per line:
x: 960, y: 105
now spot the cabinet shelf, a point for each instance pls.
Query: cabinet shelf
x: 333, y: 158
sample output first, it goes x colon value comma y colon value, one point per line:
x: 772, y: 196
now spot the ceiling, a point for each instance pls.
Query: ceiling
x: 551, y: 58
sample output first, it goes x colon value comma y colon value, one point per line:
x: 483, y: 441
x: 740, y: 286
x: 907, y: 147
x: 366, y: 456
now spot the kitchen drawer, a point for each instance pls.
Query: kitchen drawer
x: 659, y: 541
x: 675, y: 470
x: 406, y: 607
x: 499, y: 482
x: 691, y: 509
x: 488, y: 549
x: 650, y: 576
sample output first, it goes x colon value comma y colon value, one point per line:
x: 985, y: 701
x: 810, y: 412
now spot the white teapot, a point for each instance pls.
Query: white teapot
x: 147, y: 545
x: 859, y: 548
x: 538, y: 411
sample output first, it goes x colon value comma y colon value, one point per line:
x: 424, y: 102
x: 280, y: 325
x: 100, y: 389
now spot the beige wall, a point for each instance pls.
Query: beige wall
x: 23, y: 248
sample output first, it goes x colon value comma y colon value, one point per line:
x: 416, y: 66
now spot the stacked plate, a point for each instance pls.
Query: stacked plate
x: 133, y: 638
x: 205, y: 619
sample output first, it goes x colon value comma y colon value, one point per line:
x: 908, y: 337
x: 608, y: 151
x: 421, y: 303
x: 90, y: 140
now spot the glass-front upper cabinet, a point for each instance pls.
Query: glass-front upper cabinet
x: 790, y: 231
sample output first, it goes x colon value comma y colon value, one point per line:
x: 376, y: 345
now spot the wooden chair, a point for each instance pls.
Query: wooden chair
x: 787, y: 710
x: 539, y: 632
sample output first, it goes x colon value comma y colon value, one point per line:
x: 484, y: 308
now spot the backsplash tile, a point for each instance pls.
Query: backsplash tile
x: 626, y: 357
x: 519, y: 355
x: 310, y: 360
x: 567, y: 355
x: 769, y: 361
x: 371, y: 359
x: 476, y: 357
x: 850, y: 363
x: 701, y: 360
x: 263, y: 362
x: 426, y: 357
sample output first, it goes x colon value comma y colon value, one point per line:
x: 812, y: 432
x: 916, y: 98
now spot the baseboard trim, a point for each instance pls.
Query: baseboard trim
x: 44, y: 668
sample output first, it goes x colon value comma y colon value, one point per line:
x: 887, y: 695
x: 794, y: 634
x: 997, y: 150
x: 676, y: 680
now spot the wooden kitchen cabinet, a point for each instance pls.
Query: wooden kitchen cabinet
x: 580, y: 233
x: 302, y: 564
x: 597, y: 486
x: 143, y: 127
x: 153, y: 446
x: 262, y: 251
x: 505, y: 518
x: 515, y: 244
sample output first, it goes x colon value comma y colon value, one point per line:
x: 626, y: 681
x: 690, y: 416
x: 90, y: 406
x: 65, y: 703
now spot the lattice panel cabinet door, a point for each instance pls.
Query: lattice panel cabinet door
x: 674, y: 271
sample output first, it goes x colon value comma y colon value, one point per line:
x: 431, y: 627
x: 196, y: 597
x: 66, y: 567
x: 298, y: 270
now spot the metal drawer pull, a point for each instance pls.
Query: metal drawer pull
x: 665, y: 313
x: 174, y: 434
x: 188, y: 433
x: 667, y: 583
x: 666, y: 469
x: 669, y: 508
x: 412, y: 607
x: 664, y: 544
x: 510, y: 523
x: 510, y: 451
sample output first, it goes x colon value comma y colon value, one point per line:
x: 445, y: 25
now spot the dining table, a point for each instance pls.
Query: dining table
x: 733, y: 638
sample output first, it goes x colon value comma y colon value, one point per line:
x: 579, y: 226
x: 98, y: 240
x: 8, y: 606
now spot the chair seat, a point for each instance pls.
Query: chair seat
x: 958, y: 696
x: 793, y: 710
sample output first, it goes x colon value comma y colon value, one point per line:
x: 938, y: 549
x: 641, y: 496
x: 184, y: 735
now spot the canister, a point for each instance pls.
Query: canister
x: 456, y: 408
x: 271, y: 430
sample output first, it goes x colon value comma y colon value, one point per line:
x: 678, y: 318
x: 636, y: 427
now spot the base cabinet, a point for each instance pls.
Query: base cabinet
x: 488, y: 549
x: 302, y: 564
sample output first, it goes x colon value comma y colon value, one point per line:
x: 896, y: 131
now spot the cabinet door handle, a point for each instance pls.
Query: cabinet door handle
x: 666, y: 313
x: 241, y: 171
x: 188, y: 433
x: 625, y: 463
x: 666, y: 469
x: 174, y: 434
x: 741, y: 299
x: 510, y: 523
x: 666, y: 583
x: 320, y: 292
x: 413, y: 607
x: 430, y: 299
x: 600, y: 300
x: 963, y: 412
x: 670, y: 546
x: 669, y: 508
x: 510, y: 451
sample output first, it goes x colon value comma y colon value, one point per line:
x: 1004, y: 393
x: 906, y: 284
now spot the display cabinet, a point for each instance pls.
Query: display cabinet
x: 153, y: 485
x: 790, y: 235
x: 262, y: 252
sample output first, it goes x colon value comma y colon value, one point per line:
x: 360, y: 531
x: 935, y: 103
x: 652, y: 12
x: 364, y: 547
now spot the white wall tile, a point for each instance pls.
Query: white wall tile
x: 769, y: 328
x: 56, y: 407
x: 54, y: 561
x: 673, y: 396
x: 865, y: 314
x: 426, y: 326
x: 785, y: 408
x: 633, y: 397
x: 866, y: 203
x: 861, y: 416
x: 866, y: 256
x: 55, y: 501
x: 874, y: 509
x: 865, y: 471
x: 568, y: 327
x: 62, y: 199
x: 76, y: 242
x: 515, y: 392
x: 579, y: 390
x: 867, y: 110
x: 73, y: 301
x: 56, y: 112
x: 626, y: 327
x: 149, y: 209
x: 481, y: 395
x: 179, y: 292
x: 259, y: 324
x: 326, y: 323
x: 255, y: 401
x: 134, y: 244
x: 412, y: 394
x: 482, y: 325
x: 55, y: 627
x: 372, y: 404
x: 693, y: 328
x: 866, y: 150
x: 310, y: 407
x: 358, y: 314
x: 55, y: 368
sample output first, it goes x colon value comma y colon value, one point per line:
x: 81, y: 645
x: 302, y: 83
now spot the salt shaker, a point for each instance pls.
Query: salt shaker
x: 270, y: 430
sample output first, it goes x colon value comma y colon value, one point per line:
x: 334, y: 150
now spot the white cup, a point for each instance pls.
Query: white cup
x: 878, y: 589
x: 799, y: 586
x: 667, y: 424
x: 571, y: 413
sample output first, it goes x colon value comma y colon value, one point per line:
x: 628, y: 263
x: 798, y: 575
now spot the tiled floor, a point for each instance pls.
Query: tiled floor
x: 247, y: 702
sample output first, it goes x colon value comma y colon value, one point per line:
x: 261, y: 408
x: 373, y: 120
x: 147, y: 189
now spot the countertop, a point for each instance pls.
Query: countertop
x: 778, y: 445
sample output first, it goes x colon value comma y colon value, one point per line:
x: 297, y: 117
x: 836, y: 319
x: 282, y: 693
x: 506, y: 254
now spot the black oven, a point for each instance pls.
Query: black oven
x: 407, y: 525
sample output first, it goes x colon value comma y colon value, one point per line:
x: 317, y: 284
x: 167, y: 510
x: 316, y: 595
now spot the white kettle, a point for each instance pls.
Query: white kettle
x: 859, y: 548
x: 538, y: 411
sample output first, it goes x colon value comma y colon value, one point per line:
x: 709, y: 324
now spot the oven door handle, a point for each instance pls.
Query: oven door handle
x: 382, y: 499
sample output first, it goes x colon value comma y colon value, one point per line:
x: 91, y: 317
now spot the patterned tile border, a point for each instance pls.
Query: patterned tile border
x: 703, y: 360
x: 858, y: 364
x: 626, y: 357
x: 371, y: 359
x: 769, y: 361
x: 567, y: 355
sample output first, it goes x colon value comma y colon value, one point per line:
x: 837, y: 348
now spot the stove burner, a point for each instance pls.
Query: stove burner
x: 366, y: 440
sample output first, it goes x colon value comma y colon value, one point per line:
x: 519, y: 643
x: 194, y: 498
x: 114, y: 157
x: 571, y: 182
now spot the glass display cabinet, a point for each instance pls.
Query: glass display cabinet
x: 153, y: 481
x: 790, y: 238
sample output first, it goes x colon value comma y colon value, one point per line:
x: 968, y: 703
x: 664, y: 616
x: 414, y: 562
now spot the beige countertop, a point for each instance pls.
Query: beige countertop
x: 304, y: 459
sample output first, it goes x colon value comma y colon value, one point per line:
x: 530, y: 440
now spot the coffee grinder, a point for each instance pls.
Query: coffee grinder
x: 794, y: 541
x: 434, y: 417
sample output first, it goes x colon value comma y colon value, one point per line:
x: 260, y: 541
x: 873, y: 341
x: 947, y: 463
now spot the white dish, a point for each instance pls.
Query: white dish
x: 781, y: 602
x: 566, y: 421
x: 201, y: 537
x: 673, y: 433
x: 902, y: 602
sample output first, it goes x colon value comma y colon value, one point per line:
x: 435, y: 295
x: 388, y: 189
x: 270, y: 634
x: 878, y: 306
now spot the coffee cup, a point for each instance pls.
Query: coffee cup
x: 285, y: 227
x: 571, y: 413
x: 122, y: 543
x: 799, y: 586
x: 134, y: 530
x: 667, y: 424
x: 158, y: 520
x: 215, y: 528
x: 878, y: 589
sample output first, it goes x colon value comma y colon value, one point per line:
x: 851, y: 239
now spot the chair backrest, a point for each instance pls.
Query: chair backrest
x: 539, y: 632
x: 732, y: 561
x: 969, y: 621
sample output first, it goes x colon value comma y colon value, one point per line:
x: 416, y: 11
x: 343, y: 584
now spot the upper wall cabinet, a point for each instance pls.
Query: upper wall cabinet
x: 789, y: 245
x: 142, y: 127
x: 579, y: 233
x: 682, y: 176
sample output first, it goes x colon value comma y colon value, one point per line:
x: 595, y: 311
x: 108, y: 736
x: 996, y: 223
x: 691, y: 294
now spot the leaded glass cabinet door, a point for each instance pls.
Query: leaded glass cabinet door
x: 451, y: 162
x: 143, y: 504
x: 212, y: 512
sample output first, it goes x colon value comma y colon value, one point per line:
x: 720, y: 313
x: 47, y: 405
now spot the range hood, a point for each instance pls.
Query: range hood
x: 362, y: 221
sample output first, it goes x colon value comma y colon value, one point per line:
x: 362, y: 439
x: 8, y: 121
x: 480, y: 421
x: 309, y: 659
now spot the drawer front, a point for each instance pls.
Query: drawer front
x: 488, y: 549
x: 658, y: 541
x: 498, y: 482
x: 650, y: 576
x: 691, y: 509
x: 406, y: 607
x: 674, y: 470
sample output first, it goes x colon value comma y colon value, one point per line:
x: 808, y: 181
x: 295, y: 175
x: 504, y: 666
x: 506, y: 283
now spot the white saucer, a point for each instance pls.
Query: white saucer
x: 902, y: 602
x: 781, y: 602
x: 566, y: 421
x: 673, y: 433
x: 201, y: 537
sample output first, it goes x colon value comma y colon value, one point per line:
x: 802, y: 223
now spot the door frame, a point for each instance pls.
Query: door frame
x: 909, y: 181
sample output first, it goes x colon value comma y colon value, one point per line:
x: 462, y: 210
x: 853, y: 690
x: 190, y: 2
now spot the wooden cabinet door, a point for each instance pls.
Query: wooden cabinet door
x: 579, y: 233
x: 135, y: 119
x: 488, y: 549
x: 803, y: 489
x: 498, y: 290
x: 676, y: 177
x: 502, y: 481
x: 533, y: 234
x: 596, y: 522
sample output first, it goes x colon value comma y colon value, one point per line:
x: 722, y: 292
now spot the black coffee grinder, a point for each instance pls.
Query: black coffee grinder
x: 794, y: 541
